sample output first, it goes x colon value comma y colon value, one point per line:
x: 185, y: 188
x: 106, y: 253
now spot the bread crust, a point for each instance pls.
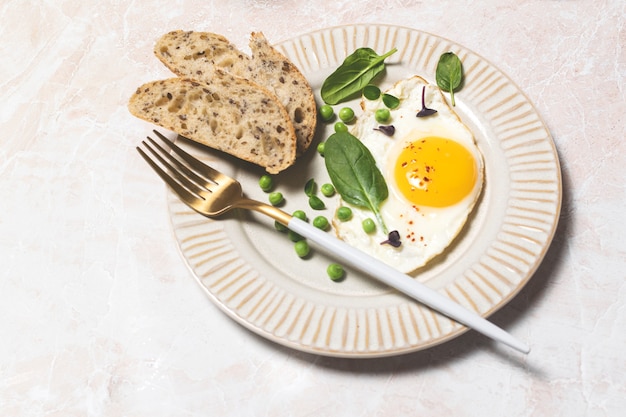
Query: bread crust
x: 227, y: 113
x: 193, y: 54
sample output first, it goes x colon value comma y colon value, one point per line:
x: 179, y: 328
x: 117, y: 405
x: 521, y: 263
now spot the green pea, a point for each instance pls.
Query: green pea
x: 340, y: 127
x: 326, y: 112
x: 320, y: 148
x: 266, y: 183
x: 302, y: 248
x: 293, y: 236
x: 299, y: 214
x: 328, y: 190
x: 321, y: 222
x: 344, y: 213
x: 280, y: 227
x: 316, y: 203
x: 382, y: 115
x: 346, y: 114
x: 368, y: 225
x: 276, y: 198
x: 335, y: 272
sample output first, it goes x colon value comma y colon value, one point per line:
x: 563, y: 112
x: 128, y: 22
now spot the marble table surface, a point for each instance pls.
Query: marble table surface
x: 99, y: 316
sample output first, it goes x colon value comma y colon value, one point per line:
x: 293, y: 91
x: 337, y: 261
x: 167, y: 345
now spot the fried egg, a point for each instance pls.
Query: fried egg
x: 433, y: 170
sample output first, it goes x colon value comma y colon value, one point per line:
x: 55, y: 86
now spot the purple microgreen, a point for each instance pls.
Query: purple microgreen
x: 388, y: 130
x: 425, y: 110
x: 393, y: 239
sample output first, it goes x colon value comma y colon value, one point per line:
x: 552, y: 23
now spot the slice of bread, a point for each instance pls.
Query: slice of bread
x: 193, y: 54
x: 227, y: 113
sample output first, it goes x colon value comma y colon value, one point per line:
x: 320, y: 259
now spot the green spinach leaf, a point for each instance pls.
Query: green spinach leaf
x: 371, y: 92
x: 391, y: 101
x: 310, y: 187
x: 353, y: 171
x: 356, y: 71
x: 449, y: 73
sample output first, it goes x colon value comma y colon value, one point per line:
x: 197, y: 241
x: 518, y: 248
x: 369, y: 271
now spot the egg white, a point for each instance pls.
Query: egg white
x: 425, y: 232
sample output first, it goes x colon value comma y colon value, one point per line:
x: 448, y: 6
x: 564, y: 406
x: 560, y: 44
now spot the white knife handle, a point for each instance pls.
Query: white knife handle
x: 404, y: 283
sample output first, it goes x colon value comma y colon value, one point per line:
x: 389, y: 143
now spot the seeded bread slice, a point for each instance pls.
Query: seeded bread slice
x: 227, y: 113
x: 193, y: 54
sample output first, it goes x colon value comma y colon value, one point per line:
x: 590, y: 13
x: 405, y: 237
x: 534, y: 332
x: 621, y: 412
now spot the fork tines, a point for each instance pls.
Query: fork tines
x: 186, y: 175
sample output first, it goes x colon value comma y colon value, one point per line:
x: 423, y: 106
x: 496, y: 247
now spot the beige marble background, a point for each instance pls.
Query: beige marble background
x: 100, y: 317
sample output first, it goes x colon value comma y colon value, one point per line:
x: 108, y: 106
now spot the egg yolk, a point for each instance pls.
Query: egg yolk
x: 435, y: 172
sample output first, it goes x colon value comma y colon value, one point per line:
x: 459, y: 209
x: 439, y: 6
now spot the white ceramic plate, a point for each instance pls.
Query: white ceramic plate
x: 253, y: 274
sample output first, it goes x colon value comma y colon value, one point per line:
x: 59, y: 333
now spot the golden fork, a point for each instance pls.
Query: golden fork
x: 211, y: 193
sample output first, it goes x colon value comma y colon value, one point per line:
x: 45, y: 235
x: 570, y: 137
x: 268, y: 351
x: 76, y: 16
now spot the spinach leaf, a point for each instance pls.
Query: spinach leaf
x: 353, y: 171
x: 371, y: 92
x: 310, y: 187
x: 391, y: 101
x: 357, y: 70
x: 449, y: 73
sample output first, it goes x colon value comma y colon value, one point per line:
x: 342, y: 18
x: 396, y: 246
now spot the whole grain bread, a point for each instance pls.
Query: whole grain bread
x: 226, y: 112
x: 193, y: 54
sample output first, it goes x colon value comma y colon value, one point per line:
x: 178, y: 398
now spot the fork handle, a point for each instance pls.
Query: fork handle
x: 404, y: 283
